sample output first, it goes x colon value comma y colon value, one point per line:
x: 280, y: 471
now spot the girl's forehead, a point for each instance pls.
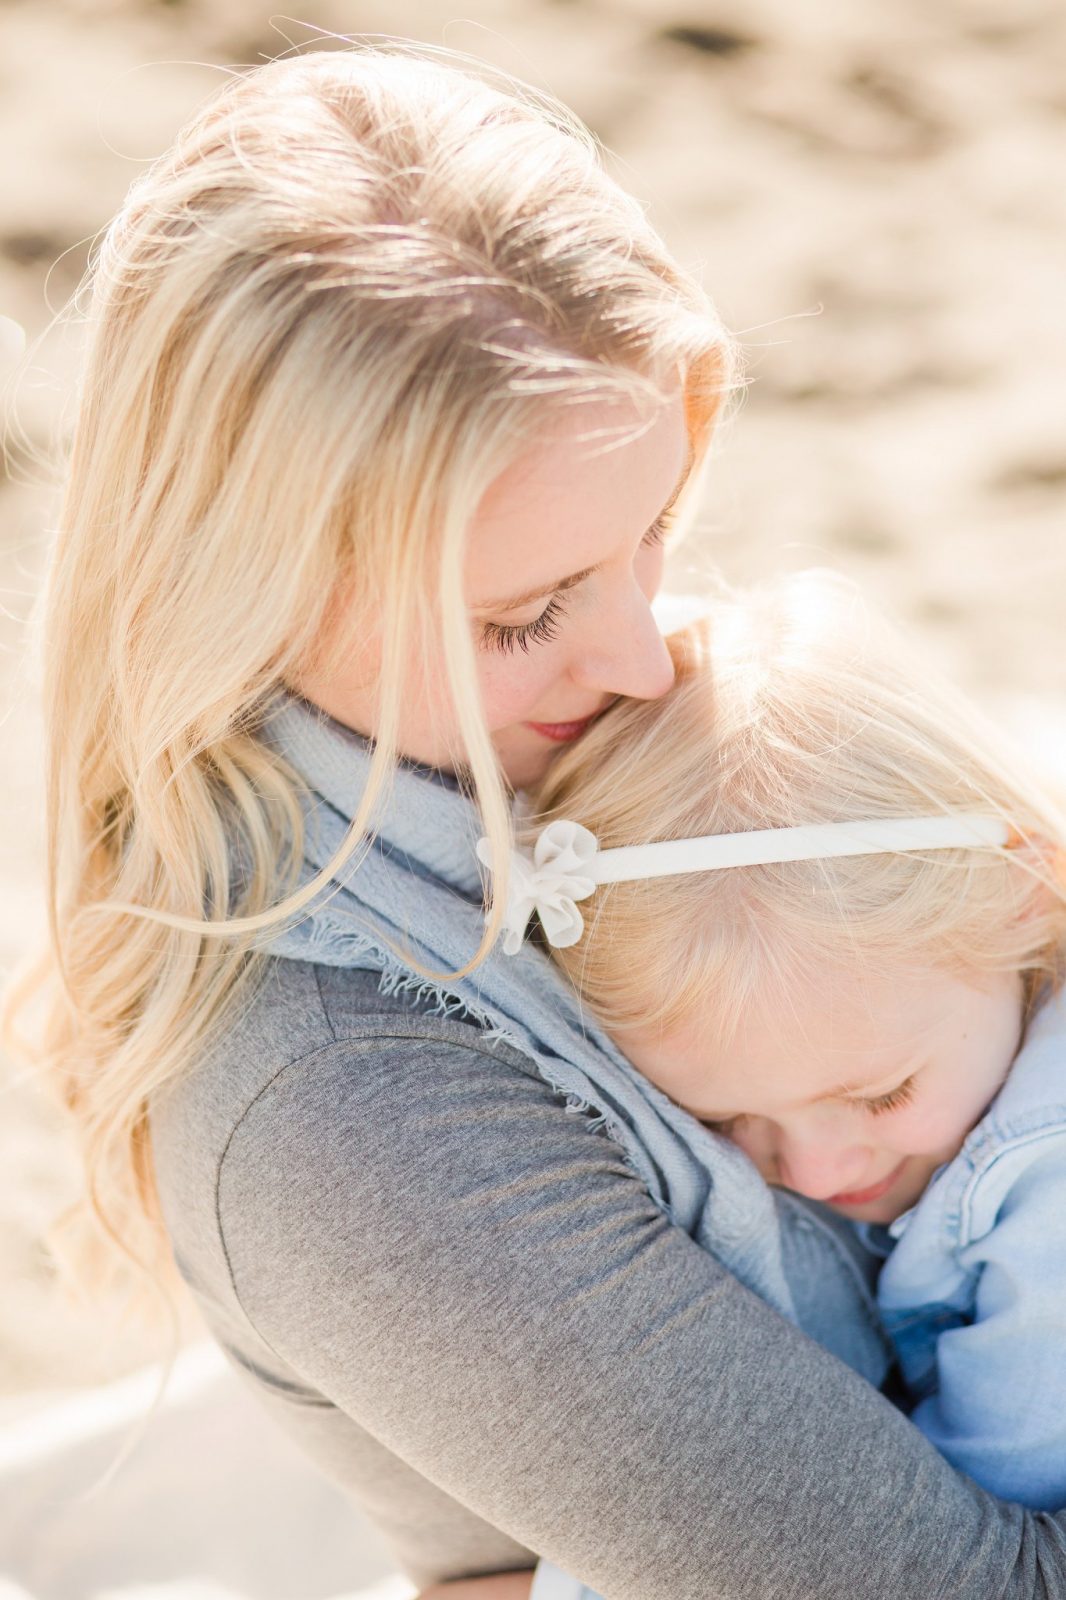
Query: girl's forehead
x: 840, y: 1030
x: 846, y: 1009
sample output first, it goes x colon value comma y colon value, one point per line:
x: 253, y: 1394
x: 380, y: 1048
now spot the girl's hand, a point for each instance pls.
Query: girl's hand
x: 497, y: 1586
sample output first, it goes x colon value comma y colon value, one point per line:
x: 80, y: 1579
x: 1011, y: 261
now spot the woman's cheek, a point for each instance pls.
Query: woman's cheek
x: 513, y: 686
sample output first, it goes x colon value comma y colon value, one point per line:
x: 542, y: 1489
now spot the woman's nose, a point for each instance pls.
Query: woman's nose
x: 626, y: 654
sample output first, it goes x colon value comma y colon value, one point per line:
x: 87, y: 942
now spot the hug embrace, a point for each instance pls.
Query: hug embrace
x: 605, y: 1090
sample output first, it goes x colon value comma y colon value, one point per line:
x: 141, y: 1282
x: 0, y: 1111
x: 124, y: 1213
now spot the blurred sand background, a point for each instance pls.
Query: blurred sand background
x: 873, y: 191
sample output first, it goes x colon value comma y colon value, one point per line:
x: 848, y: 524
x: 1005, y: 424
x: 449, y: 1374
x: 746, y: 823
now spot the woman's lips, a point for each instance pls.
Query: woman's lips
x: 560, y: 732
x: 865, y: 1197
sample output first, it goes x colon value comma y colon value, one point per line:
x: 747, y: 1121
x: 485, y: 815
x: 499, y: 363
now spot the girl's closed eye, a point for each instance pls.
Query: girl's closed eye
x: 894, y: 1100
x: 725, y: 1127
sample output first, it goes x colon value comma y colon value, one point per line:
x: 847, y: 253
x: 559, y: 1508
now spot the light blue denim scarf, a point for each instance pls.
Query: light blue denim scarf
x: 418, y: 891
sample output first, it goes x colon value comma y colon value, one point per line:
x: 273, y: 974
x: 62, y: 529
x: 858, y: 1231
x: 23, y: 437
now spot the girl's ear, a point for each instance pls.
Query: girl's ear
x: 1058, y: 866
x: 1044, y: 860
x: 1044, y: 855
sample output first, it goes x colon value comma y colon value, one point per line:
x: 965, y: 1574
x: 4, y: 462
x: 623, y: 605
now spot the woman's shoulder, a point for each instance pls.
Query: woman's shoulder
x: 294, y: 1028
x: 316, y: 1072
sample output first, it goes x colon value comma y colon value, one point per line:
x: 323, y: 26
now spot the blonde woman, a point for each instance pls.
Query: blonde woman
x: 390, y: 394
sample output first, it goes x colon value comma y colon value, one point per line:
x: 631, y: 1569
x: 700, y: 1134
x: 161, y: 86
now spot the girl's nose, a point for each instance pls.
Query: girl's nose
x: 626, y: 654
x: 821, y: 1167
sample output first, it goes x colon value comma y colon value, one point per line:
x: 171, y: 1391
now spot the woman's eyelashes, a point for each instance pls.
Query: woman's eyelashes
x: 658, y: 530
x: 509, y: 637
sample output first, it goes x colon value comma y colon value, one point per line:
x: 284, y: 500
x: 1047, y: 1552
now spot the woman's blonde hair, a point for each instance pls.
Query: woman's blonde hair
x: 795, y: 704
x: 324, y: 321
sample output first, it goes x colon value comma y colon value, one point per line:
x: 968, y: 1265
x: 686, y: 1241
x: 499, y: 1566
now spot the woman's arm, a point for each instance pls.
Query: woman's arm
x: 424, y: 1233
x: 498, y: 1586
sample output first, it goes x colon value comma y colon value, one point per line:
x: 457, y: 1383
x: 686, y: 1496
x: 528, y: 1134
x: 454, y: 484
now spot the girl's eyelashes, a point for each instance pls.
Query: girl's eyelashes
x: 724, y: 1126
x: 509, y: 638
x: 901, y: 1095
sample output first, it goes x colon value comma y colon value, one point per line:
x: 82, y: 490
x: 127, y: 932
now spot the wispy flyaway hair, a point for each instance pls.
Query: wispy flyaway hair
x: 353, y: 291
x: 795, y: 704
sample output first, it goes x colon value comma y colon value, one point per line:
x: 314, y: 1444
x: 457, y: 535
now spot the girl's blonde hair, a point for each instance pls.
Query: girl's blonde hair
x: 794, y: 704
x: 350, y: 294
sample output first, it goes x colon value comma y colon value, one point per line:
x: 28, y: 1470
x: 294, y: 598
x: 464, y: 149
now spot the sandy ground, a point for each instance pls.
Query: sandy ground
x: 212, y: 1503
x: 874, y: 196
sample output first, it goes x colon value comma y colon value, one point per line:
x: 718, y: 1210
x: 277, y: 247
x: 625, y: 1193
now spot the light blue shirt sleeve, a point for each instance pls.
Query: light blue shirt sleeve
x: 552, y: 1583
x: 1000, y: 1410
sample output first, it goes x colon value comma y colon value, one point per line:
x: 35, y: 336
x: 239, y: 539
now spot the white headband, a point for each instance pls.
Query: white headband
x: 566, y: 863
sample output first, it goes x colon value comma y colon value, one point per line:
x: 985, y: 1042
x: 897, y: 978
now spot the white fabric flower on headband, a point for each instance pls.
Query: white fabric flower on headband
x: 567, y: 864
x: 548, y: 883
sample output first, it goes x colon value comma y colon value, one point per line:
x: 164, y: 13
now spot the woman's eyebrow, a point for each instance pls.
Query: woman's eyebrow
x: 515, y: 602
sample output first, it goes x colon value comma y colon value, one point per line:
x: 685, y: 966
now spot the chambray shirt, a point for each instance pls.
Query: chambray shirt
x: 973, y: 1293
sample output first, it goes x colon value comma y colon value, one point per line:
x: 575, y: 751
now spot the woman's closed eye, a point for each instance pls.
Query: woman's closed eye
x: 508, y: 637
x: 511, y: 637
x: 658, y: 530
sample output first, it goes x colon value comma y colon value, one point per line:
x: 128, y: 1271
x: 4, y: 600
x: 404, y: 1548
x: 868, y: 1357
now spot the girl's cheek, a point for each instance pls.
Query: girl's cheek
x: 924, y: 1130
x: 756, y: 1143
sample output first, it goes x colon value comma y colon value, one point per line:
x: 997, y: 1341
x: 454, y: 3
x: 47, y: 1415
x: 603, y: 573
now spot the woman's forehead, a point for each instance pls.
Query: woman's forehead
x: 582, y: 492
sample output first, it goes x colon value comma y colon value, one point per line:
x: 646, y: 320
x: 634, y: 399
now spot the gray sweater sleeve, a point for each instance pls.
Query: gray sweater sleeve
x: 481, y: 1284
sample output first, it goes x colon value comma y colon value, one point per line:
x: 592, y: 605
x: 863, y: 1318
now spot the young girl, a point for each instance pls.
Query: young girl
x: 388, y: 390
x: 851, y: 971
